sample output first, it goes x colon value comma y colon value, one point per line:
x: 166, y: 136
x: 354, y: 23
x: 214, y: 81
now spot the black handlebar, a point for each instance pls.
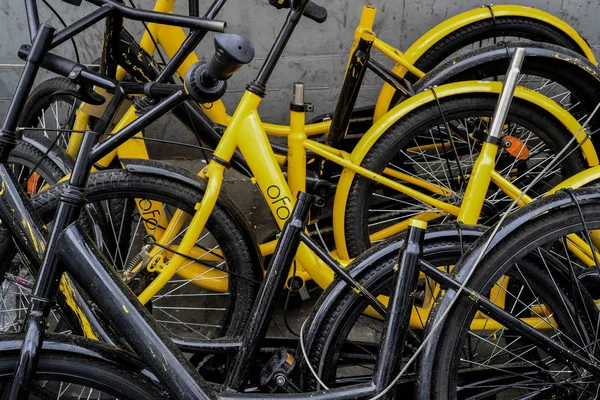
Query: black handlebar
x: 312, y: 11
x: 184, y: 21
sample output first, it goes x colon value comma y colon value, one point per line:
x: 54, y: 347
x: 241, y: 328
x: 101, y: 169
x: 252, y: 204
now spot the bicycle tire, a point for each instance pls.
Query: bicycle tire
x: 556, y: 72
x: 123, y: 185
x: 405, y: 131
x: 78, y: 370
x: 524, y: 27
x: 529, y: 247
x: 325, y: 349
x: 26, y: 160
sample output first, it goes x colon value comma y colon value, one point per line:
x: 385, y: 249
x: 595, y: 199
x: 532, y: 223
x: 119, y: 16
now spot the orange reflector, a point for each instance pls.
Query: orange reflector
x: 517, y: 148
x: 32, y: 183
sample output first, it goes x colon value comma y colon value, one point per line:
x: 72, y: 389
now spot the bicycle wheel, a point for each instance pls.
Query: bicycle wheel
x: 203, y: 300
x: 477, y: 357
x: 346, y: 343
x: 34, y: 168
x: 69, y: 376
x: 51, y: 108
x: 420, y: 146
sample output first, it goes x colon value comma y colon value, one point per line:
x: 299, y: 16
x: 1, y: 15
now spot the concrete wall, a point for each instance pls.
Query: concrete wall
x: 316, y: 54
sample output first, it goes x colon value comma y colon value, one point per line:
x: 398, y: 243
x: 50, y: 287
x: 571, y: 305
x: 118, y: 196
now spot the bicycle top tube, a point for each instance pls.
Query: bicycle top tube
x: 114, y: 7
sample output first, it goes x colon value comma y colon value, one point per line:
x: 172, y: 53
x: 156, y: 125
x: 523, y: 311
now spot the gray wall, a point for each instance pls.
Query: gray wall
x: 316, y: 54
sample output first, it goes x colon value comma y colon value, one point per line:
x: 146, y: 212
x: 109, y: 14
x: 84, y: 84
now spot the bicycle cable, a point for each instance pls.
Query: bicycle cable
x: 285, y: 306
x: 588, y: 238
x: 162, y: 246
x: 64, y: 24
x: 43, y: 157
x: 451, y: 140
x: 310, y: 367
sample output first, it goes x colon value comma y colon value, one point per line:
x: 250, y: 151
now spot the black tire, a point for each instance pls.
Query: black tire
x: 330, y: 348
x: 26, y: 160
x: 226, y: 236
x: 84, y: 374
x: 392, y: 147
x: 36, y: 113
x: 500, y: 28
x: 553, y: 71
x: 535, y: 252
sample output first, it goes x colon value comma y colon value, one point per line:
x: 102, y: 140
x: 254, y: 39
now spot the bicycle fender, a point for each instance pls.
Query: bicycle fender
x: 162, y: 169
x: 425, y: 97
x: 437, y: 33
x: 450, y: 70
x: 512, y: 223
x: 78, y: 345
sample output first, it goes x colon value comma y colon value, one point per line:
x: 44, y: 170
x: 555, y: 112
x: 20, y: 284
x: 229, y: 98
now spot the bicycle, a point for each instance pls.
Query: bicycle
x: 70, y: 244
x: 340, y: 310
x: 198, y: 269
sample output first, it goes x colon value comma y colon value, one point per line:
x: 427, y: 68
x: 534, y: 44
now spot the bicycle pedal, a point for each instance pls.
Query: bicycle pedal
x: 277, y: 370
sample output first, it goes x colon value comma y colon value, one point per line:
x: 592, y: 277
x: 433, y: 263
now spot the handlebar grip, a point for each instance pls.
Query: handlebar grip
x: 231, y: 52
x: 316, y: 12
x: 313, y: 11
x: 52, y: 62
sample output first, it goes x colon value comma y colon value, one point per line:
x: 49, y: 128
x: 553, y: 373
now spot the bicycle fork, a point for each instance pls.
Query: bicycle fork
x: 400, y: 307
x: 477, y: 187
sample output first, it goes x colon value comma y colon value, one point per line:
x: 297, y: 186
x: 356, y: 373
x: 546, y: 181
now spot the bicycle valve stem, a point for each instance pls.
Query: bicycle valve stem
x: 298, y: 94
x: 508, y: 90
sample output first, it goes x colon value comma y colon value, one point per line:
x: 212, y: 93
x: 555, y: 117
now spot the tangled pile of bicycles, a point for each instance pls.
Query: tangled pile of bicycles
x: 454, y: 227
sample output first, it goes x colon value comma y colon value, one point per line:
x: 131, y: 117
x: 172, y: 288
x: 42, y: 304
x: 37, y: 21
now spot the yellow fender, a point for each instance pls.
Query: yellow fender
x: 434, y: 35
x: 409, y: 105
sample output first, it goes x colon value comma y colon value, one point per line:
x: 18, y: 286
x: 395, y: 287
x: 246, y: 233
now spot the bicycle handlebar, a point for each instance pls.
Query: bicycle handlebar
x: 313, y: 11
x: 137, y: 14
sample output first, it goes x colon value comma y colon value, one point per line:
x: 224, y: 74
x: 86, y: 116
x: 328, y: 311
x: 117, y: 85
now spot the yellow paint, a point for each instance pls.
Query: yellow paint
x: 401, y: 226
x: 437, y: 189
x: 125, y: 309
x: 215, y: 175
x: 66, y: 287
x: 417, y: 223
x: 477, y: 187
